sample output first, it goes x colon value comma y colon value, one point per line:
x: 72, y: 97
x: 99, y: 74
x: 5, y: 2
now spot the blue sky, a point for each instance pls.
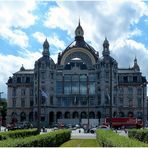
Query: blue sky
x: 24, y: 25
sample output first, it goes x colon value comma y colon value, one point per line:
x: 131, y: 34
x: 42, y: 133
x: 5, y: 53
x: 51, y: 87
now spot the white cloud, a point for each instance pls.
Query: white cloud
x: 14, y: 16
x: 98, y: 18
x: 124, y: 51
x: 55, y: 41
x: 10, y: 64
x: 39, y: 36
x: 16, y: 37
x: 52, y: 39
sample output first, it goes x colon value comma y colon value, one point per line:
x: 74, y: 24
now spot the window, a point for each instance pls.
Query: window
x: 115, y: 100
x: 130, y: 91
x: 92, y: 101
x: 59, y: 87
x: 75, y: 87
x: 23, y: 79
x: 23, y: 91
x: 31, y: 103
x: 130, y: 102
x: 14, y: 102
x: 83, y: 101
x: 14, y: 91
x: 139, y: 91
x: 99, y: 100
x: 67, y: 101
x: 59, y: 101
x: 18, y: 79
x: 51, y: 75
x: 27, y: 79
x: 135, y: 79
x: 125, y: 79
x: 31, y: 92
x: 91, y: 77
x: 42, y: 118
x: 43, y: 75
x: 121, y: 101
x: 83, y: 77
x: 51, y: 100
x: 92, y: 88
x: 67, y: 77
x: 22, y: 102
x: 67, y: 87
x: 83, y: 87
x: 139, y: 102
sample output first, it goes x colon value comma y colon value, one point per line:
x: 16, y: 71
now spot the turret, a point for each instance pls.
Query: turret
x: 45, y: 48
x: 106, y: 51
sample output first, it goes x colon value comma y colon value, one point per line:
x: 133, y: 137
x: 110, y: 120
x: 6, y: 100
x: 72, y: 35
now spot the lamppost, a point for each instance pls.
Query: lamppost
x: 143, y: 99
x: 38, y: 97
x: 88, y: 102
x: 111, y: 64
x: 0, y: 111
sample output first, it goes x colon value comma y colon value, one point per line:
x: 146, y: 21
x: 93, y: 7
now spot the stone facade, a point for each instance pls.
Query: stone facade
x: 80, y: 83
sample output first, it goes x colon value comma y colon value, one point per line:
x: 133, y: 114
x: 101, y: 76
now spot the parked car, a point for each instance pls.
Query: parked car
x: 93, y: 130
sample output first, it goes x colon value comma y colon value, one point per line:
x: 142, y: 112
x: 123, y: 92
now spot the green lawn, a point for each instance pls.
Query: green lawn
x: 81, y: 143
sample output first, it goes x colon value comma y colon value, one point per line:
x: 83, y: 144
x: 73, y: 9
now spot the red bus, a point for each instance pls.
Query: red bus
x: 127, y: 122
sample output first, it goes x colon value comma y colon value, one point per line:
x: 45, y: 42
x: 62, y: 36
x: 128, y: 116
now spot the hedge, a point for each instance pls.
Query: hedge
x: 51, y: 139
x: 18, y: 133
x: 139, y: 134
x: 108, y: 138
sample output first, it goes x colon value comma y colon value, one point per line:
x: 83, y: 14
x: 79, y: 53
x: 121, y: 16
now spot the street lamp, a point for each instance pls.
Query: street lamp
x: 88, y: 101
x: 0, y: 111
x: 110, y: 96
x: 143, y: 99
x: 38, y: 97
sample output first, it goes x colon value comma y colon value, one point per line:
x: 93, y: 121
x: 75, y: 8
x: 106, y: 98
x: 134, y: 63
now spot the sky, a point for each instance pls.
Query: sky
x: 24, y: 26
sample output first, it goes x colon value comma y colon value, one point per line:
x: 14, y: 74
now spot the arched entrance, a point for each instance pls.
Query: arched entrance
x: 92, y: 115
x: 121, y: 114
x: 83, y: 115
x: 14, y: 117
x: 31, y: 116
x: 59, y: 115
x: 99, y: 116
x: 51, y: 118
x: 67, y: 115
x: 75, y: 115
x: 22, y: 117
x: 130, y: 114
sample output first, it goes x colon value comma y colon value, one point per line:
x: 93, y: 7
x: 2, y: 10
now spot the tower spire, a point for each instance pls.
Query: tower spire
x: 106, y: 51
x: 136, y: 66
x: 79, y: 31
x: 45, y: 48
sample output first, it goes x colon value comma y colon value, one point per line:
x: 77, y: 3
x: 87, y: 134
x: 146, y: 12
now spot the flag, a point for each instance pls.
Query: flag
x: 44, y: 94
x: 75, y: 100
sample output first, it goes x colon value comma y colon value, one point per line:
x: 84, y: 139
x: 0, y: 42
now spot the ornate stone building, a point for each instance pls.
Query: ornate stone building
x: 81, y: 83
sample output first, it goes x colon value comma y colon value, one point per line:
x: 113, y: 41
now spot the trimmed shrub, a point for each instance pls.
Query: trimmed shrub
x: 18, y: 133
x: 139, y: 134
x: 108, y: 138
x: 51, y: 139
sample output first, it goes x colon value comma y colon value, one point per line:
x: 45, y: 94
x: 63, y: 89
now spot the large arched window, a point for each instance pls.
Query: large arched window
x: 59, y: 115
x: 22, y: 117
x: 67, y: 115
x: 31, y: 116
x: 83, y: 115
x: 91, y: 115
x: 75, y: 115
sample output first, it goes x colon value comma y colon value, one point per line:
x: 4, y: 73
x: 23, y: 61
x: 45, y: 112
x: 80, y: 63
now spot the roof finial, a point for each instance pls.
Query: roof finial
x: 79, y: 22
